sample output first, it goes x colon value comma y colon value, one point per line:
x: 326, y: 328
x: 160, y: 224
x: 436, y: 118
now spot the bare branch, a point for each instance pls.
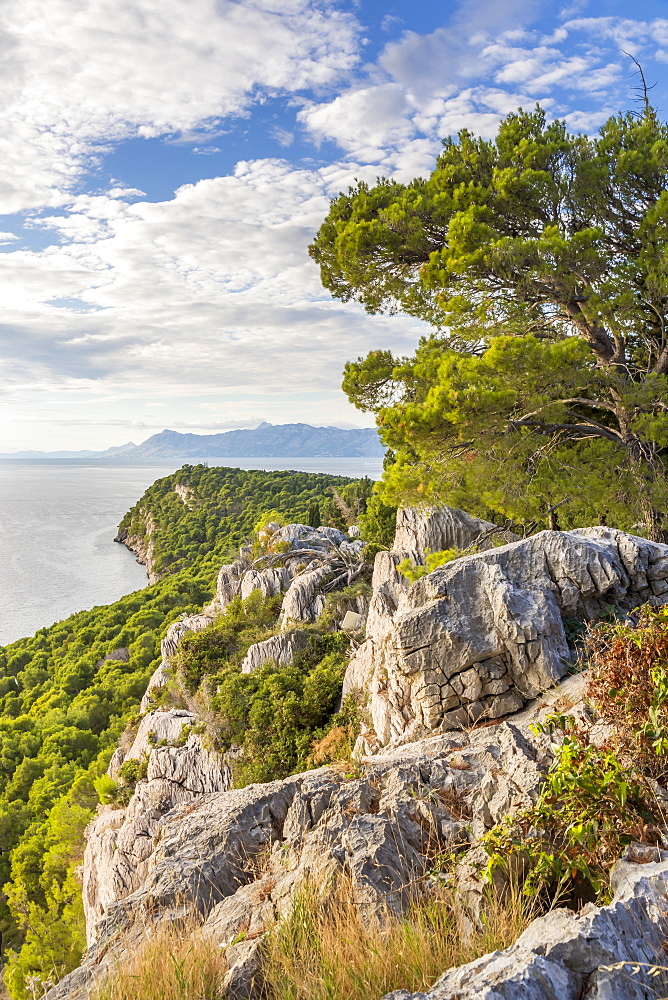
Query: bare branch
x: 582, y: 430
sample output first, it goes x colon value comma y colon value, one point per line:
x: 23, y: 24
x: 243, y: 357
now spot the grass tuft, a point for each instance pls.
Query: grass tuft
x: 328, y: 950
x: 177, y: 963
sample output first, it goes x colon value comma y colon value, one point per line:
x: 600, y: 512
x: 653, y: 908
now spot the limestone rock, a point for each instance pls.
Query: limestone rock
x: 301, y: 562
x: 181, y: 846
x: 228, y: 583
x: 176, y: 631
x: 281, y: 648
x: 120, y: 841
x: 142, y: 545
x: 186, y: 495
x: 304, y: 601
x: 268, y: 581
x: 422, y: 529
x: 168, y: 647
x: 481, y: 635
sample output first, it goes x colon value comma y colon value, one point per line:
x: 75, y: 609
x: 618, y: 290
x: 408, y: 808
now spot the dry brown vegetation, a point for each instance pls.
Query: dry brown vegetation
x: 177, y: 963
x: 629, y: 685
x: 329, y: 949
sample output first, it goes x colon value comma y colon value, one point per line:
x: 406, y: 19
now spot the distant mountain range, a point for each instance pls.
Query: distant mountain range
x: 265, y: 441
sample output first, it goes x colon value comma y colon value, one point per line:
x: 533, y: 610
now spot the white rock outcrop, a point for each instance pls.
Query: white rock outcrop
x: 380, y: 829
x: 433, y: 529
x: 179, y: 769
x: 302, y: 562
x: 168, y: 647
x: 280, y: 648
x: 483, y: 634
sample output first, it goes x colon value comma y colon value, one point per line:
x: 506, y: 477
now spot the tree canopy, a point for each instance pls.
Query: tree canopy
x: 540, y: 259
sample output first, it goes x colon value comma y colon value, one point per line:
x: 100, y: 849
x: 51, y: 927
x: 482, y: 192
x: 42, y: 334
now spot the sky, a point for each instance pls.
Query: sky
x: 166, y: 163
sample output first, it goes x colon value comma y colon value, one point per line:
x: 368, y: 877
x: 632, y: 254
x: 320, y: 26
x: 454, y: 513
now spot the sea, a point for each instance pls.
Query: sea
x: 57, y: 525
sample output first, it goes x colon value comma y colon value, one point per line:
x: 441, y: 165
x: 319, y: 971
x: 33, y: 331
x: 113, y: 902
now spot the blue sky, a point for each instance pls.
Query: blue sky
x: 166, y: 163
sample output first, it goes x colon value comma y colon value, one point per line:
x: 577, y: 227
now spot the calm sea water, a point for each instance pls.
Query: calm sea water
x: 57, y: 525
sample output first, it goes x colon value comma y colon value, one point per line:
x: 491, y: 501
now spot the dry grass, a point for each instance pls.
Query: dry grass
x: 177, y: 963
x: 327, y: 950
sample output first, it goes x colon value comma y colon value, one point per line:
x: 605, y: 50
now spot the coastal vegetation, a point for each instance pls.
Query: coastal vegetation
x: 539, y: 259
x: 217, y: 509
x: 68, y: 692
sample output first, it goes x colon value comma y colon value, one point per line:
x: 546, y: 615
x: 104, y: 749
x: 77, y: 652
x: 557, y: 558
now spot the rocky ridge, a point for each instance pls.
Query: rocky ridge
x: 488, y: 630
x: 479, y: 637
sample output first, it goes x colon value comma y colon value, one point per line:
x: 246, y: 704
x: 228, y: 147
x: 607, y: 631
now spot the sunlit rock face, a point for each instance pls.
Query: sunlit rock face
x: 120, y: 842
x: 481, y: 635
x: 144, y: 866
x: 302, y: 562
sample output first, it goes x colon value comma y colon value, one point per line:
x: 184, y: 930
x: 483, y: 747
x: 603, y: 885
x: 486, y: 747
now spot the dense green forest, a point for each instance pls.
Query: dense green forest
x: 67, y: 693
x: 225, y: 504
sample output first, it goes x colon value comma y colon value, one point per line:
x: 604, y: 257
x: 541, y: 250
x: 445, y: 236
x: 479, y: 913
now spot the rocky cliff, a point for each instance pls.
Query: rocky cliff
x: 441, y: 662
x: 478, y: 637
x: 141, y: 544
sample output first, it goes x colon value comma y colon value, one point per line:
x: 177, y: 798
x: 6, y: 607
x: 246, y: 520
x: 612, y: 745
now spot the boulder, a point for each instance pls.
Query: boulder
x: 304, y: 600
x: 478, y: 637
x: 228, y: 583
x: 300, y: 561
x: 433, y: 529
x: 268, y: 581
x: 280, y: 648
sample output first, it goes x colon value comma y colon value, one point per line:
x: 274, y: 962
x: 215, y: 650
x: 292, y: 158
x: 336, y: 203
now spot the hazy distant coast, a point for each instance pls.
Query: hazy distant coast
x: 265, y: 441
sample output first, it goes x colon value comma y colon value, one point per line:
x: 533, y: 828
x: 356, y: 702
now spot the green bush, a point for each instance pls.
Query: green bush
x: 275, y: 714
x: 592, y: 803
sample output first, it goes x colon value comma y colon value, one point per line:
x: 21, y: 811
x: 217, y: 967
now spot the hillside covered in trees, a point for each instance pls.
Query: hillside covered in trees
x: 68, y: 692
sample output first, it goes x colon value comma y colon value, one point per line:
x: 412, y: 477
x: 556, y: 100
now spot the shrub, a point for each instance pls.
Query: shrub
x: 106, y: 788
x: 133, y: 770
x: 205, y: 653
x: 591, y: 805
x: 629, y: 684
x: 276, y: 713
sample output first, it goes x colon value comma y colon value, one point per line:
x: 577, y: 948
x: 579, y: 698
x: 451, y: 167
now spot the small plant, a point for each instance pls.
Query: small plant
x: 106, y: 788
x: 629, y: 684
x: 591, y: 805
x: 133, y: 770
x: 433, y: 560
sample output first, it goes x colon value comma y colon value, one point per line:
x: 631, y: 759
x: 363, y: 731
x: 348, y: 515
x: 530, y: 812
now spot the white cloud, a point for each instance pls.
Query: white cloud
x: 78, y: 76
x: 208, y: 292
x: 282, y: 136
x: 471, y: 72
x: 364, y: 121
